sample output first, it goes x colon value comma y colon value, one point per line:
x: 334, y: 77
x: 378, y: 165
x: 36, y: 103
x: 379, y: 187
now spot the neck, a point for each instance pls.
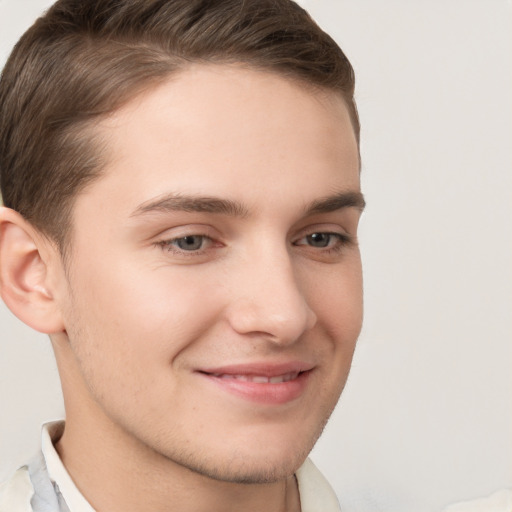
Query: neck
x: 140, y: 479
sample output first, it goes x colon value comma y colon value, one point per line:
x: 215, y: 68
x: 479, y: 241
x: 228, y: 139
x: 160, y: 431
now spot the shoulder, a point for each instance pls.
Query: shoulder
x: 16, y: 493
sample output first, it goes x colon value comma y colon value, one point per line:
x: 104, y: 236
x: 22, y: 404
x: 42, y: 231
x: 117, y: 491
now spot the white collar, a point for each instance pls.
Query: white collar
x: 316, y: 495
x: 58, y: 474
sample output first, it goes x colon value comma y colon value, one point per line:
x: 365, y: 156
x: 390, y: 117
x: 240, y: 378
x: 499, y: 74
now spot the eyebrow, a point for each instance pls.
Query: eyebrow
x: 351, y: 199
x: 233, y: 208
x: 185, y: 203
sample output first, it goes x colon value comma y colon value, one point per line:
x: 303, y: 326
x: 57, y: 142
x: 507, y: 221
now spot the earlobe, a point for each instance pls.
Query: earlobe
x: 24, y: 279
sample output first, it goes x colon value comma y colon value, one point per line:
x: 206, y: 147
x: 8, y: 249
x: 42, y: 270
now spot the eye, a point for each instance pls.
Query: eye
x: 323, y: 240
x: 319, y: 239
x: 325, y: 246
x: 189, y: 243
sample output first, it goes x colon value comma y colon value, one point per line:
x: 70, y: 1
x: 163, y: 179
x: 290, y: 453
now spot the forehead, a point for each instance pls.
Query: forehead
x: 217, y: 127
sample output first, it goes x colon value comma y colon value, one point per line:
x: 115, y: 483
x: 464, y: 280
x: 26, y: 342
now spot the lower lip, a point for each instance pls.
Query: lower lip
x: 264, y: 393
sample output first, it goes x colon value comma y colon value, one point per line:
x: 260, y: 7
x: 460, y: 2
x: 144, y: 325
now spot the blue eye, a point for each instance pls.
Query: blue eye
x: 189, y: 243
x: 324, y: 244
x: 320, y: 239
x: 186, y: 244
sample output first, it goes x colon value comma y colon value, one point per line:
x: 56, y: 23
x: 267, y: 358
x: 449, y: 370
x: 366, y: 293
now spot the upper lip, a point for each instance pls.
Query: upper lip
x: 259, y: 368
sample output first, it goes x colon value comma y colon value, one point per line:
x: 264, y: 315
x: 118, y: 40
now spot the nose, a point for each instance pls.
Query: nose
x: 270, y: 301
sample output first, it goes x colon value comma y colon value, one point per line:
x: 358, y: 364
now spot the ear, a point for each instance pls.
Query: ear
x: 25, y: 285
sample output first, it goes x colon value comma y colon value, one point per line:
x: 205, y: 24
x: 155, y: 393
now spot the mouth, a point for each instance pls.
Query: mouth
x: 261, y: 383
x: 258, y: 379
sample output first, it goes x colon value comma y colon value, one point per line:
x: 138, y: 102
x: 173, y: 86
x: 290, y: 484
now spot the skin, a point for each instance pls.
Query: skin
x: 138, y: 317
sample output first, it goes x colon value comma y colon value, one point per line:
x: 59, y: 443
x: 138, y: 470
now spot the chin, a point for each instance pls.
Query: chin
x: 257, y: 459
x: 242, y: 470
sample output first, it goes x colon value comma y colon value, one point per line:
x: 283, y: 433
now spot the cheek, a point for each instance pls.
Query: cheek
x: 336, y: 296
x: 133, y: 318
x: 131, y: 334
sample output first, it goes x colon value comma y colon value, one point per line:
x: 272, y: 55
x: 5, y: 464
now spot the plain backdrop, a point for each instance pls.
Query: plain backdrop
x: 426, y: 417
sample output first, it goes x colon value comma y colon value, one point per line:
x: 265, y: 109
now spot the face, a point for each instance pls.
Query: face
x: 213, y: 294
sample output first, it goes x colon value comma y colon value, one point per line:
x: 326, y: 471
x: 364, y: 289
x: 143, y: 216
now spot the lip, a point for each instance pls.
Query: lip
x: 271, y: 384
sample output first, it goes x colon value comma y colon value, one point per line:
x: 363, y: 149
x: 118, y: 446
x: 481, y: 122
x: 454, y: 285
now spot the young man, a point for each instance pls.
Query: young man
x: 182, y: 195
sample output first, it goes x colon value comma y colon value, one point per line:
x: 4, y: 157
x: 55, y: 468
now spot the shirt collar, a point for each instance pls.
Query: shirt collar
x: 51, y: 433
x: 316, y: 495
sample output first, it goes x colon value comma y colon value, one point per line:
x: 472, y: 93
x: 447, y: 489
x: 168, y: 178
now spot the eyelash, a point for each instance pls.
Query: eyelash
x: 169, y: 245
x: 342, y: 240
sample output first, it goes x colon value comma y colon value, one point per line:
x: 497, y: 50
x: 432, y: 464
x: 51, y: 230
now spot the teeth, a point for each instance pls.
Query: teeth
x: 258, y: 379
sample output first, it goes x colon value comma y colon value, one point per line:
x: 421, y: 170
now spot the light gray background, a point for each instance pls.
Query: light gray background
x: 426, y: 418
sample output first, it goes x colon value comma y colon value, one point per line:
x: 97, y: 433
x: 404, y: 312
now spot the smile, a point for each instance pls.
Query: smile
x: 258, y: 379
x: 264, y: 384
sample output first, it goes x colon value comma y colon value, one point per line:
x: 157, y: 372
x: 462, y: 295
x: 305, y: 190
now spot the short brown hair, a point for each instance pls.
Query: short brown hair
x: 85, y: 59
